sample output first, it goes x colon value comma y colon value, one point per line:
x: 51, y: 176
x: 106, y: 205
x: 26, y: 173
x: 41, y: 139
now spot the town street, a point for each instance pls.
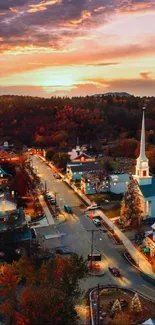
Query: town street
x: 76, y: 236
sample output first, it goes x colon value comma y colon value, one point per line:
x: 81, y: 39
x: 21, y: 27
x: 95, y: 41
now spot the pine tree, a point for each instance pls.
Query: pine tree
x: 116, y: 307
x: 130, y: 206
x: 136, y: 304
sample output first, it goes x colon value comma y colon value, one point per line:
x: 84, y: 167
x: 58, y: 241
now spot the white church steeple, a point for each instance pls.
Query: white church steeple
x: 142, y: 155
x: 142, y: 166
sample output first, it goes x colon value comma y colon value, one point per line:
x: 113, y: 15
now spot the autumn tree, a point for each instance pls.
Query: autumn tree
x: 20, y: 182
x: 50, y: 153
x: 130, y: 207
x: 9, y: 280
x: 109, y: 165
x: 48, y: 293
x: 61, y: 159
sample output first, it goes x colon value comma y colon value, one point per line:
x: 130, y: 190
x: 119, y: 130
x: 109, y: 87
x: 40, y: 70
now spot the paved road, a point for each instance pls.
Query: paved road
x: 76, y: 236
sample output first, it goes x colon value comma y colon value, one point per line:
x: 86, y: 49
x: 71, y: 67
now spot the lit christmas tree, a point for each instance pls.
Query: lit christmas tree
x: 136, y: 304
x: 116, y: 307
x: 130, y: 206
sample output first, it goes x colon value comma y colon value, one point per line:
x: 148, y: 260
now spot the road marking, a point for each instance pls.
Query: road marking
x: 106, y: 256
x: 144, y: 285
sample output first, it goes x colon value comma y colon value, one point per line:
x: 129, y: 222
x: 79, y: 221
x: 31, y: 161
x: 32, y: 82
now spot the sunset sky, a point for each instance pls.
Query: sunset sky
x: 77, y: 47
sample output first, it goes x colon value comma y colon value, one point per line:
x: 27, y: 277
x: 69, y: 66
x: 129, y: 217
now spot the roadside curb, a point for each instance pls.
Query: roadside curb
x: 134, y: 265
x: 98, y: 275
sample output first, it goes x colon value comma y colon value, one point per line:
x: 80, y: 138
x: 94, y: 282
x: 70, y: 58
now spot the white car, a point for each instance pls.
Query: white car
x: 92, y: 207
x: 97, y: 222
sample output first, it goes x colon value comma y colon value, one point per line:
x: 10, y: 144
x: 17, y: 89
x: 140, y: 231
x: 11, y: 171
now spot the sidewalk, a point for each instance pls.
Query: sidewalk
x: 47, y: 212
x: 141, y: 261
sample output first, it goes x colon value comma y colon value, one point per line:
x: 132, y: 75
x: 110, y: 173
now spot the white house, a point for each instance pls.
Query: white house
x: 145, y: 182
x: 149, y: 241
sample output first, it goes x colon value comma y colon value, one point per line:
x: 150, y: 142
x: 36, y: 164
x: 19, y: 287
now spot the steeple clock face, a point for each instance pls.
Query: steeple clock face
x: 144, y: 164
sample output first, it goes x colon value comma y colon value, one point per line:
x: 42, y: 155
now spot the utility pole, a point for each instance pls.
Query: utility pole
x: 92, y: 244
x: 45, y: 186
x: 55, y: 203
x: 98, y: 304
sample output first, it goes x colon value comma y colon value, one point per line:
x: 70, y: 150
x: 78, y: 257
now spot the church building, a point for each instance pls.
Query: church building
x: 145, y: 182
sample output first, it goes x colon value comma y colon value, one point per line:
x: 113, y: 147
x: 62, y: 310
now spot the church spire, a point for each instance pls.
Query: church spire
x: 142, y: 155
x: 142, y: 166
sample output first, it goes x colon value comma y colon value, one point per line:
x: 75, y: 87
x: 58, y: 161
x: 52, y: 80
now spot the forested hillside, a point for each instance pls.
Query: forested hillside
x: 58, y: 122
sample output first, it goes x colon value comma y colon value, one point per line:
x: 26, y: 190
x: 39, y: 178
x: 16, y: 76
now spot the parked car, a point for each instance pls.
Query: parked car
x: 48, y: 196
x: 52, y: 201
x: 96, y: 222
x: 65, y: 250
x: 67, y: 208
x: 92, y: 207
x: 57, y: 176
x: 114, y: 271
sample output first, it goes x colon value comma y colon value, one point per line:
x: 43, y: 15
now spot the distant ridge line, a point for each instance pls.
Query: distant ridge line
x: 120, y: 94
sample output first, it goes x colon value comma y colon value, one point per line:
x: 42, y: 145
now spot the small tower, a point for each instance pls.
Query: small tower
x: 142, y: 166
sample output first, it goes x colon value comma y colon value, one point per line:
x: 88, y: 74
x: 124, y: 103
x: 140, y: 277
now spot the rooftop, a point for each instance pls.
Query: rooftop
x: 86, y: 167
x: 148, y: 190
x: 120, y: 177
x: 18, y: 235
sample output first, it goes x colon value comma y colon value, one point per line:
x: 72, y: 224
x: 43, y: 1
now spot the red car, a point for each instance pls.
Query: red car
x: 114, y: 271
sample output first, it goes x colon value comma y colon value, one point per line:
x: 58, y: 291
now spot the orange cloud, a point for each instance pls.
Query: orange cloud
x: 99, y: 9
x: 42, y: 5
x: 13, y: 9
x: 145, y: 75
x: 139, y: 6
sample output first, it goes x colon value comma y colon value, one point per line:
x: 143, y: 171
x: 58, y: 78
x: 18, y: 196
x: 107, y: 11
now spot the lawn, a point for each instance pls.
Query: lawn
x: 112, y: 213
x: 109, y: 296
x: 99, y: 198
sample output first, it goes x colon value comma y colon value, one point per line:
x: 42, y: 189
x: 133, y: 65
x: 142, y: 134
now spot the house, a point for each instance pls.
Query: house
x: 149, y: 241
x: 118, y: 183
x: 115, y: 183
x: 6, y: 156
x: 76, y: 170
x: 12, y: 219
x: 4, y: 177
x: 79, y: 155
x: 92, y: 184
x: 83, y: 157
x: 145, y: 182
